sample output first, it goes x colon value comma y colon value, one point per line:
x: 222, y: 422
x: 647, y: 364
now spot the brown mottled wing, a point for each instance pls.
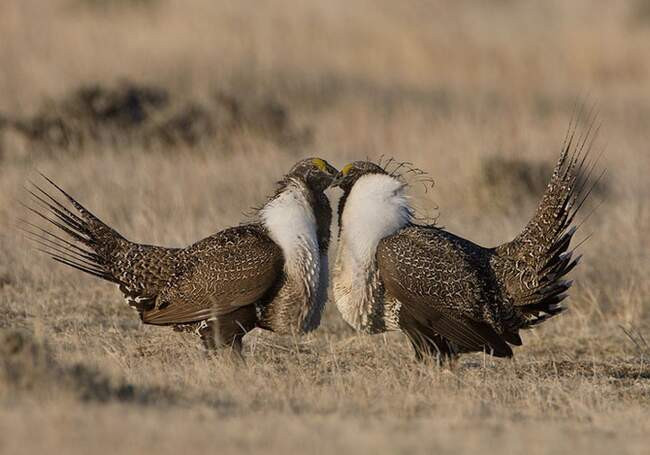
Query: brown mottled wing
x: 141, y: 271
x: 442, y: 282
x: 222, y: 273
x: 78, y: 239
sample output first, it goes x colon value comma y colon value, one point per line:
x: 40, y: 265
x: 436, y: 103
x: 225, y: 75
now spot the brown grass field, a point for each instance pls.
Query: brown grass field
x: 452, y: 87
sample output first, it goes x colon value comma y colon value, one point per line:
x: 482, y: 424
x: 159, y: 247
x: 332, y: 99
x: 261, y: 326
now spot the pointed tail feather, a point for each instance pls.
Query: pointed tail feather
x: 532, y: 266
x: 90, y: 242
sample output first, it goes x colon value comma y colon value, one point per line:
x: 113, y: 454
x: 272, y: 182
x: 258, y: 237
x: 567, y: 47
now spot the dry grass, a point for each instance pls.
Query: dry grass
x: 447, y: 86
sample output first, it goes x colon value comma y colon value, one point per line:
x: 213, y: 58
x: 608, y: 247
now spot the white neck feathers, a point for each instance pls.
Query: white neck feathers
x: 291, y: 223
x: 376, y: 207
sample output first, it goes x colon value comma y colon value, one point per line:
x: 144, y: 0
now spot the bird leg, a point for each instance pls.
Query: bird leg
x: 226, y: 332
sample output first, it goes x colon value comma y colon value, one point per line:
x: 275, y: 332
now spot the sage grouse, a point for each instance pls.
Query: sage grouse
x: 448, y: 294
x: 271, y: 273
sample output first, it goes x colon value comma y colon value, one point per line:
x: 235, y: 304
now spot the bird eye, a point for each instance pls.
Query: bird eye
x: 319, y: 164
x: 347, y: 169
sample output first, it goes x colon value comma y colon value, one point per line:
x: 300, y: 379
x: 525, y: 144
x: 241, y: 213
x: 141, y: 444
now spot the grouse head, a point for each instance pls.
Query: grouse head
x: 316, y: 173
x: 352, y: 172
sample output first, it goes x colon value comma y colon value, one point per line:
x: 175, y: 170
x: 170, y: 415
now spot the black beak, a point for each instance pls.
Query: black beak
x: 338, y: 180
x: 332, y: 171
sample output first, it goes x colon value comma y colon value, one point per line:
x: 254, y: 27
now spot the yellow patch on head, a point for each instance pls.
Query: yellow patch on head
x: 320, y: 164
x: 347, y: 168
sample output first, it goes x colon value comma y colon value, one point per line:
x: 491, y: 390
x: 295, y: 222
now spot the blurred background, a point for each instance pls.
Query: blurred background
x: 169, y: 119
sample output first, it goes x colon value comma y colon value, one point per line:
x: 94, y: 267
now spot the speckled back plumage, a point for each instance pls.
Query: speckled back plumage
x: 217, y: 275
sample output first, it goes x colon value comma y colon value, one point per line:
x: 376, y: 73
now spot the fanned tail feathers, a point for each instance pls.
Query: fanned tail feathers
x: 89, y: 239
x: 532, y: 266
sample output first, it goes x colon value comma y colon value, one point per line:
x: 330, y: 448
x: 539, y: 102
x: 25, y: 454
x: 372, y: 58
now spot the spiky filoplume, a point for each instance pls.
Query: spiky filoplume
x: 271, y: 273
x: 446, y: 293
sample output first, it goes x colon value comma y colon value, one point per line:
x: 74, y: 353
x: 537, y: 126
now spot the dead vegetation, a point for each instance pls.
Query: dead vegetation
x: 222, y: 98
x: 510, y: 184
x: 143, y: 115
x: 29, y: 369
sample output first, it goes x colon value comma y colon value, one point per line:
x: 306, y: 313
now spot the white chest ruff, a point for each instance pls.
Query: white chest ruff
x: 291, y: 223
x: 356, y: 291
x: 375, y: 208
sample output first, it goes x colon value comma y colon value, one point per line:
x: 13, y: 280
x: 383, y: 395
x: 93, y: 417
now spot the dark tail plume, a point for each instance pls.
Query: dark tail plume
x: 89, y: 241
x: 532, y: 266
